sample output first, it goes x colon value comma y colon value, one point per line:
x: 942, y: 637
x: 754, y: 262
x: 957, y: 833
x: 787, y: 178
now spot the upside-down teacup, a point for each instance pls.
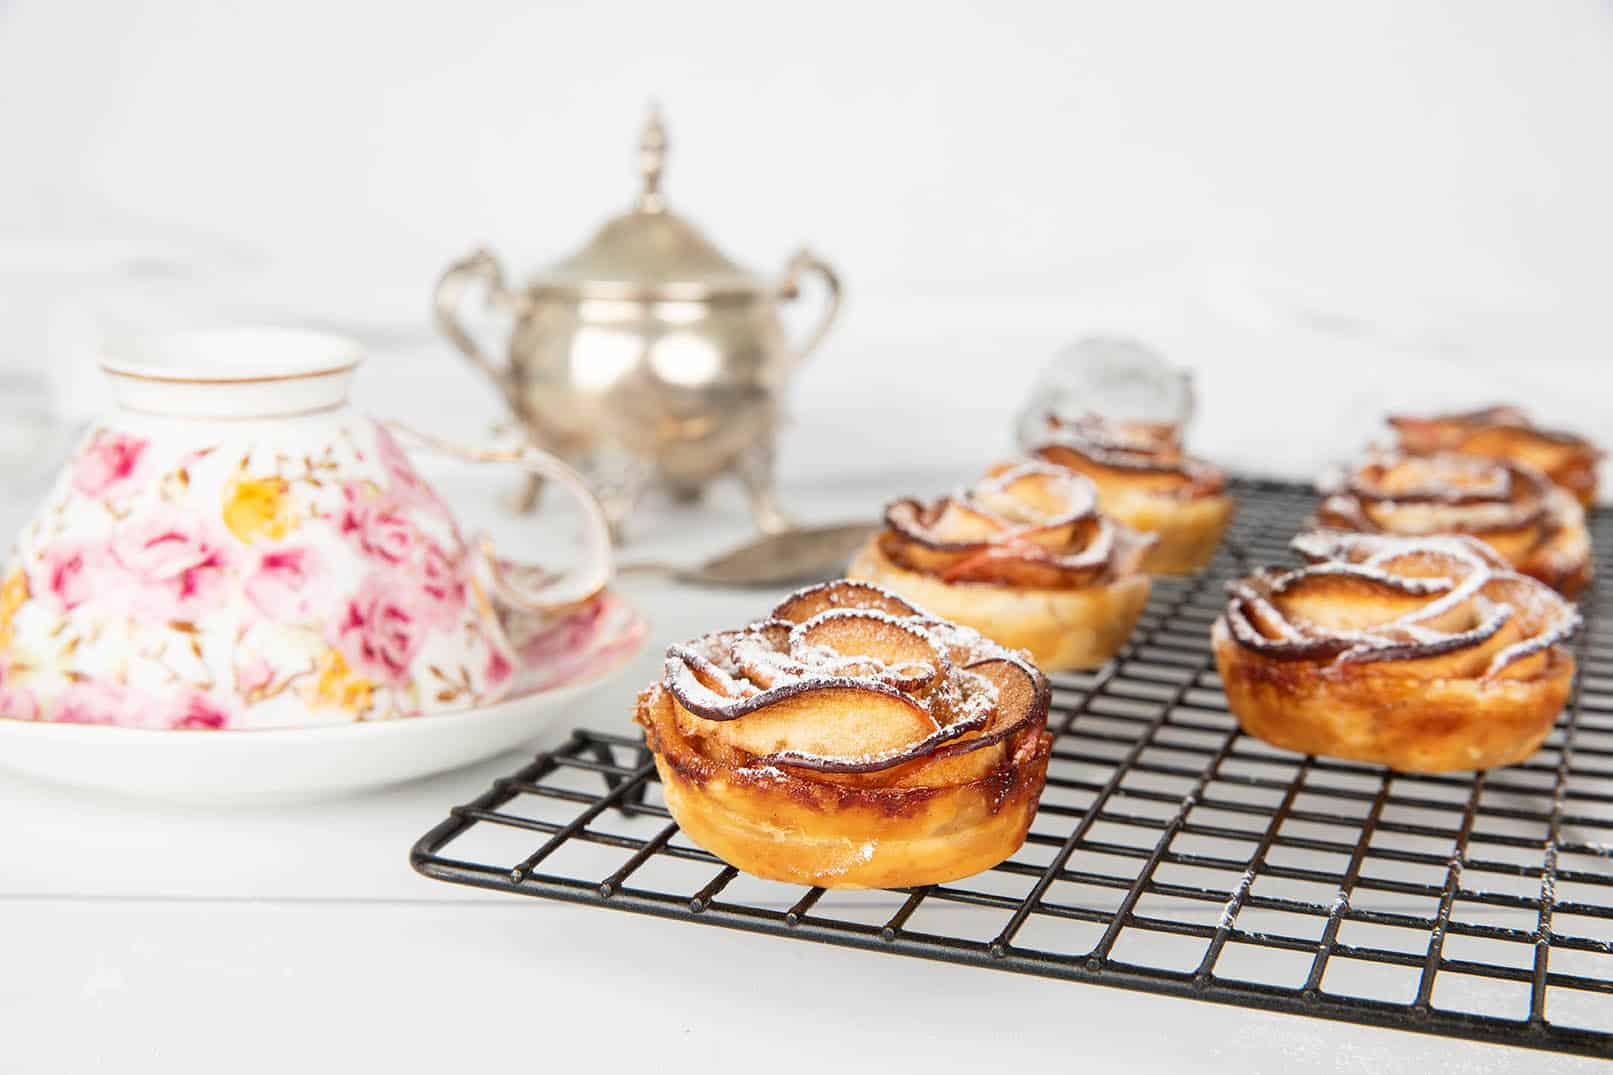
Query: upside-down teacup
x: 235, y: 547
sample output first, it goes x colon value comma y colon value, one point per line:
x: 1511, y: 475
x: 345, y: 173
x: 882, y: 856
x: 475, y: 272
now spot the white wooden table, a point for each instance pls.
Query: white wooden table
x: 154, y: 938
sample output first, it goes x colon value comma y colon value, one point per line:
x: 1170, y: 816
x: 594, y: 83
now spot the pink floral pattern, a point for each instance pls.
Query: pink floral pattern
x: 17, y: 703
x: 499, y: 668
x: 441, y: 579
x: 160, y: 567
x: 198, y: 711
x: 381, y: 629
x: 406, y: 484
x: 378, y: 525
x: 284, y: 585
x: 108, y: 466
x: 138, y: 599
x: 580, y: 645
x: 175, y: 566
x: 253, y: 676
x: 125, y: 706
x: 73, y: 572
x: 103, y: 703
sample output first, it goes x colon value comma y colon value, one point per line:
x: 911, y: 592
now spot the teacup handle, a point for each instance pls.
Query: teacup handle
x: 552, y: 593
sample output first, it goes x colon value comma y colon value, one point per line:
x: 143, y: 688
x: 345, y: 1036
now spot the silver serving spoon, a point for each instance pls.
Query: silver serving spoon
x: 799, y: 554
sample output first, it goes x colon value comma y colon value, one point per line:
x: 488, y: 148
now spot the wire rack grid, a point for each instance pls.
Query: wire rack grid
x: 1173, y: 854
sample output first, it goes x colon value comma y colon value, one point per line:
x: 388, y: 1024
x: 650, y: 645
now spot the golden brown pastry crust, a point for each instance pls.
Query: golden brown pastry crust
x: 1147, y: 483
x: 1506, y: 433
x: 1062, y: 630
x: 1516, y: 510
x: 1023, y: 557
x: 838, y: 666
x: 1424, y: 655
x: 1186, y: 531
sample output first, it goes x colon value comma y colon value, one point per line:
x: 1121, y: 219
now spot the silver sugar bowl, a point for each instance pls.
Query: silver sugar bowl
x: 648, y: 357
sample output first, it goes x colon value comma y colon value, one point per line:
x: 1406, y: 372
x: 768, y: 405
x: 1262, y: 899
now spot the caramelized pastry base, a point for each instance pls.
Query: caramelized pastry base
x: 1063, y: 630
x: 1580, y: 482
x: 783, y: 827
x: 1186, y: 532
x: 1575, y: 474
x: 1366, y: 712
x: 1563, y: 563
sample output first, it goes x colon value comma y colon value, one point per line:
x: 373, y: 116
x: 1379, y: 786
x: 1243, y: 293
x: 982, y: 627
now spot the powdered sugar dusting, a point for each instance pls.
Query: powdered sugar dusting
x: 1240, y: 892
x: 764, y: 772
x: 1031, y: 511
x: 1454, y: 572
x: 729, y: 674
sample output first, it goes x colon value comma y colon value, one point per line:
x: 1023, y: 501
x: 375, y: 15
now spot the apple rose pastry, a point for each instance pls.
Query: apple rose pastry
x: 1506, y: 433
x: 1146, y: 482
x: 1022, y: 556
x: 850, y: 741
x: 1536, y: 527
x: 1423, y: 654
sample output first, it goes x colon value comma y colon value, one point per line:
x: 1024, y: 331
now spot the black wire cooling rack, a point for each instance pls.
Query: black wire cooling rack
x: 1172, y: 854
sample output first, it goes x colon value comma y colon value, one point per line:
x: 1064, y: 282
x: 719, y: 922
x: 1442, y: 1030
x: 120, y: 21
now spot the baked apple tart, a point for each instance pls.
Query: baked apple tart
x: 850, y: 740
x: 1506, y: 433
x: 1146, y: 482
x: 1536, y: 527
x: 1422, y: 654
x: 1024, y: 557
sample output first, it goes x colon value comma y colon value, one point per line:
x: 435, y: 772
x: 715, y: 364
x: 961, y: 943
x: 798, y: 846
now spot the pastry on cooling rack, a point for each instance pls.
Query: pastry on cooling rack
x: 850, y: 740
x: 1146, y: 482
x: 1423, y: 654
x: 1535, y: 526
x: 1506, y: 433
x: 1022, y: 556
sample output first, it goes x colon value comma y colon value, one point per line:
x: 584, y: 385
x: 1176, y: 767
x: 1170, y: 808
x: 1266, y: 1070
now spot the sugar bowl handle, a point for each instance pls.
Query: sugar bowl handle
x: 803, y: 264
x: 479, y: 266
x: 521, y: 586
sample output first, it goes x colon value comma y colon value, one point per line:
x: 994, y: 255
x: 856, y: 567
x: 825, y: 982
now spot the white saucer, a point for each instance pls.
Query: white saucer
x: 282, y: 765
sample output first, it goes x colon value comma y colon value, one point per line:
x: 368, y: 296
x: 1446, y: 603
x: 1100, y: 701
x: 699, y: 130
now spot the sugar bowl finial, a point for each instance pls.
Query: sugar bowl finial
x: 652, y: 160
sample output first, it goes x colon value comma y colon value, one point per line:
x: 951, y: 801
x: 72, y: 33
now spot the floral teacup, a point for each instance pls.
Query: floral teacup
x: 235, y: 547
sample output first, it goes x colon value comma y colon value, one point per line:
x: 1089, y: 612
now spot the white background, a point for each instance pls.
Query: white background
x: 1326, y: 209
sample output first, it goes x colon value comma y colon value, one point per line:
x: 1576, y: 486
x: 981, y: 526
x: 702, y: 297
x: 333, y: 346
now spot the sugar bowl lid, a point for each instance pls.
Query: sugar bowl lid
x: 648, y: 251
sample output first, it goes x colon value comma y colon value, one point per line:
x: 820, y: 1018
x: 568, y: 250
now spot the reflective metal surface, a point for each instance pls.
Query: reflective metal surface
x: 648, y: 357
